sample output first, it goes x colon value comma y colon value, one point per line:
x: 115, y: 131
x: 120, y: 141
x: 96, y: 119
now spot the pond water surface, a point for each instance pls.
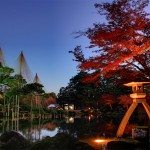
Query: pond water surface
x: 88, y: 127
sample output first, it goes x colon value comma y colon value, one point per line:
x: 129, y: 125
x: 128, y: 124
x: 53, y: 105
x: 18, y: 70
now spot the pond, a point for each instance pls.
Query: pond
x: 79, y: 127
x: 85, y: 128
x: 37, y: 129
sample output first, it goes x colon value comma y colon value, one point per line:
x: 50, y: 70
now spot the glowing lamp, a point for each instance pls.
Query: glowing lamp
x: 71, y: 120
x: 71, y: 107
x: 99, y: 141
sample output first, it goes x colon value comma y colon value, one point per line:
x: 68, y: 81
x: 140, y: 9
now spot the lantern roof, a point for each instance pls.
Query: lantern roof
x: 136, y: 83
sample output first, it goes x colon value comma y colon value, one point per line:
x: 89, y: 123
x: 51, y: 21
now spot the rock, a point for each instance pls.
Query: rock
x: 45, y: 144
x: 83, y: 146
x: 60, y: 142
x: 12, y: 140
x: 120, y: 145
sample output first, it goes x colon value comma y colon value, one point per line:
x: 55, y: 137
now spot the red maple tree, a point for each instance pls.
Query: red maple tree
x: 108, y: 100
x: 123, y: 40
x: 125, y: 100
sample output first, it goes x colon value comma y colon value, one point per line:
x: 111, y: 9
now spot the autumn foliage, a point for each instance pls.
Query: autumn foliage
x: 108, y: 99
x: 123, y: 40
x: 125, y: 100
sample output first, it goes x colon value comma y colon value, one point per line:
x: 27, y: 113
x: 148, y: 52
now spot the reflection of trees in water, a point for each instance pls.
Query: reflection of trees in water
x: 26, y: 128
x: 7, y: 124
x: 108, y: 128
x: 83, y: 127
x: 49, y: 126
x: 33, y: 131
x: 95, y: 127
x: 30, y: 129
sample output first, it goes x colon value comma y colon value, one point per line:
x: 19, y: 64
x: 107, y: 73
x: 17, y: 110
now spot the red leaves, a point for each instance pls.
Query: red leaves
x: 92, y: 77
x: 125, y: 100
x: 108, y: 100
x: 125, y: 36
x: 49, y: 101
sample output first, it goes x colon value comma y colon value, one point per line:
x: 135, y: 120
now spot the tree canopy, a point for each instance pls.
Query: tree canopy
x: 79, y: 93
x: 82, y: 94
x: 123, y: 40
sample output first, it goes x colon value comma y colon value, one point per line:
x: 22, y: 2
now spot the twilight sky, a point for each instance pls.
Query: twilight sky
x: 43, y: 29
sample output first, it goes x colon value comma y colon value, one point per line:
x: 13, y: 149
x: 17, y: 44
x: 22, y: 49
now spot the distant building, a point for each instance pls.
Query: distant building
x: 52, y: 106
x: 69, y: 106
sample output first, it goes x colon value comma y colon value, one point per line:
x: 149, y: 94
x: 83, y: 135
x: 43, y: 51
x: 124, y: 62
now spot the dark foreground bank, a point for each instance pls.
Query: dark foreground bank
x: 14, y: 141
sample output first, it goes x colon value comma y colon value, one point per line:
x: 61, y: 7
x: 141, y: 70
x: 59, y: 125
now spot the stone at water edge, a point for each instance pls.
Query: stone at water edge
x: 120, y: 145
x: 14, y: 140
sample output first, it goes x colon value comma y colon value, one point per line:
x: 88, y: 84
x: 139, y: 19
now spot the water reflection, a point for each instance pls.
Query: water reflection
x: 86, y: 127
x: 35, y: 135
x: 31, y: 129
x: 69, y: 119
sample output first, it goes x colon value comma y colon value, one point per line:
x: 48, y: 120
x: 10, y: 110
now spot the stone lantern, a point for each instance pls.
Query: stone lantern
x: 138, y: 96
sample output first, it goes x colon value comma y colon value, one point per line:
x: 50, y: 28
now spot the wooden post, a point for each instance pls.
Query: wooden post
x: 4, y: 109
x: 18, y: 108
x: 31, y: 109
x: 8, y: 109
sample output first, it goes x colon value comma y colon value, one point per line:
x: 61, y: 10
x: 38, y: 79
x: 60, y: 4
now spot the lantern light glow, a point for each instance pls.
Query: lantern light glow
x: 100, y: 141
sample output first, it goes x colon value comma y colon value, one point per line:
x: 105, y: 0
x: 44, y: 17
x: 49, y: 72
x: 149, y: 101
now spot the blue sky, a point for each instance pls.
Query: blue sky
x: 43, y: 29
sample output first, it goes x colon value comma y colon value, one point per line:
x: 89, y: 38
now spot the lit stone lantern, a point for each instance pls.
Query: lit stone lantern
x: 138, y: 96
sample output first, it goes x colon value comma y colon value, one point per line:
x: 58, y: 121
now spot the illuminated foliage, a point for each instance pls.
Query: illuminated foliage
x: 48, y: 98
x: 122, y: 40
x: 125, y: 100
x: 108, y: 100
x: 83, y: 95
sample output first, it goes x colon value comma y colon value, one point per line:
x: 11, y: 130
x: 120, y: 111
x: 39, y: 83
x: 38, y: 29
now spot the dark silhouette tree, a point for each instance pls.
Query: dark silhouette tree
x: 79, y: 93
